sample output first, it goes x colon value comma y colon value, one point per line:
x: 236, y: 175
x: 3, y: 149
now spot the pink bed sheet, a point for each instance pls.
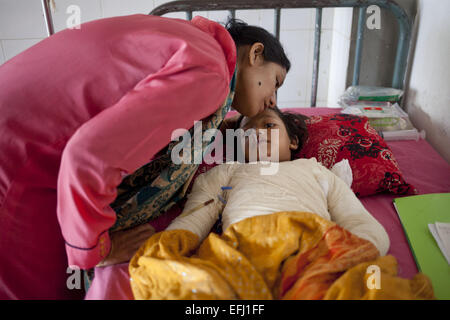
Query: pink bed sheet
x: 421, y: 166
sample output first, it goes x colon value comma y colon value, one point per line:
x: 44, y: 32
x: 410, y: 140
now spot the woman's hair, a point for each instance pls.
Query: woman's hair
x: 295, y: 126
x: 243, y: 34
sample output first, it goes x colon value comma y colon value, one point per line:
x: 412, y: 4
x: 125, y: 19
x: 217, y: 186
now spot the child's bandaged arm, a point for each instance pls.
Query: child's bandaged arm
x: 347, y: 211
x: 207, y: 186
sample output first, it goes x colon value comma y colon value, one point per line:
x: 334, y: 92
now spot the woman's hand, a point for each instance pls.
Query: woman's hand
x: 124, y: 244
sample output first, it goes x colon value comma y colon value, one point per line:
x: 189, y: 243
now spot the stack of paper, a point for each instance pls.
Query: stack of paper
x: 441, y: 233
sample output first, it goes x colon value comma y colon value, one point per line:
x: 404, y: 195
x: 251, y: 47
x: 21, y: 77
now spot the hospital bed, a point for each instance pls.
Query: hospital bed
x: 420, y: 164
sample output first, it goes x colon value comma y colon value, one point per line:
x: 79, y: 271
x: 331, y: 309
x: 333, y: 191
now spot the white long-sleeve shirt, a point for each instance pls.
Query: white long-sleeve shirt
x: 299, y: 185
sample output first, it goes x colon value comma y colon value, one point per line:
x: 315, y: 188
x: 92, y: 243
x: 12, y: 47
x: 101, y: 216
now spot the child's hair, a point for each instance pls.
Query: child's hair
x: 295, y: 124
x: 244, y: 34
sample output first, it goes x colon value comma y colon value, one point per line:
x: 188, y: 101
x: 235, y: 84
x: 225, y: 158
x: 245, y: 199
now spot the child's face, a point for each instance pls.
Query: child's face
x: 269, y: 120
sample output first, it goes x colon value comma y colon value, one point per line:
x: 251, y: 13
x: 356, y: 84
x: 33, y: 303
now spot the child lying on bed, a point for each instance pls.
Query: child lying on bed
x: 299, y: 185
x: 302, y: 190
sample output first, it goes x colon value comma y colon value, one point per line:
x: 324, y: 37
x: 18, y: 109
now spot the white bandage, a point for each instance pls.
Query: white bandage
x: 343, y: 170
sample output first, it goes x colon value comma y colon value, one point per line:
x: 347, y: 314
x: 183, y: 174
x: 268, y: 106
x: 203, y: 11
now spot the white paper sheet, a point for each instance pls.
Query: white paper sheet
x: 441, y: 233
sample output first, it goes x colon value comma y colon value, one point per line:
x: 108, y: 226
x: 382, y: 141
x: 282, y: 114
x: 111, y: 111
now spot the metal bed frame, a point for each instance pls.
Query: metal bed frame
x: 399, y: 13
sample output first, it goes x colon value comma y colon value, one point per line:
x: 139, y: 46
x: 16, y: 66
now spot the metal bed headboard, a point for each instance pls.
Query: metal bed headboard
x: 399, y: 13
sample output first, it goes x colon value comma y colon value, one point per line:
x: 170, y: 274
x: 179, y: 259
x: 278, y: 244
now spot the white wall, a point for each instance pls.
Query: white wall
x: 427, y: 100
x: 339, y: 54
x: 297, y: 37
x: 22, y: 25
x: 22, y: 21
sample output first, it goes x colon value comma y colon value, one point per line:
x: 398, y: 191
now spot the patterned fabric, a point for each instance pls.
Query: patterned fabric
x: 285, y: 255
x: 158, y: 185
x: 335, y: 137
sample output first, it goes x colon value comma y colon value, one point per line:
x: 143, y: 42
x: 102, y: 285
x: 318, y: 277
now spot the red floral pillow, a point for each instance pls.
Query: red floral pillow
x: 335, y: 137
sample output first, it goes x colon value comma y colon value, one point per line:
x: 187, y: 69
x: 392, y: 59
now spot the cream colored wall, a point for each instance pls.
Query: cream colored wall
x: 427, y: 100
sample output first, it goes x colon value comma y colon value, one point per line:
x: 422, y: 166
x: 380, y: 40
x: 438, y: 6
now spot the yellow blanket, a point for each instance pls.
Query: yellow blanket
x: 285, y: 255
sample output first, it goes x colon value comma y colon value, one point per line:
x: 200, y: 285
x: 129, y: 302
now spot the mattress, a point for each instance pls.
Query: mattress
x: 421, y: 166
